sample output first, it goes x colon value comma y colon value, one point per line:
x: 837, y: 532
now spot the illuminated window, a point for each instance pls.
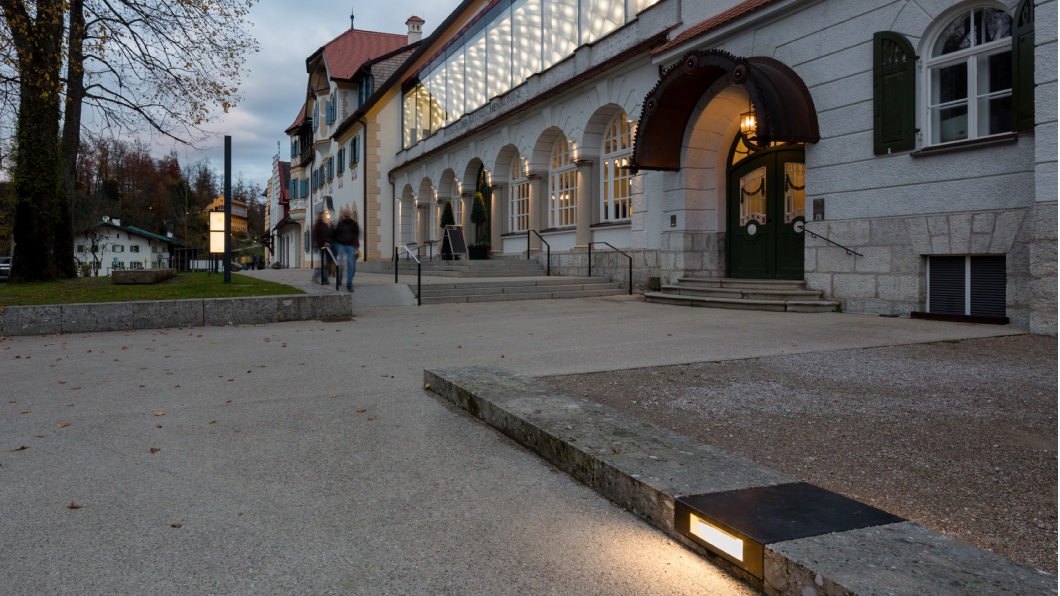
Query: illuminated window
x: 518, y: 197
x: 563, y: 185
x: 615, y: 178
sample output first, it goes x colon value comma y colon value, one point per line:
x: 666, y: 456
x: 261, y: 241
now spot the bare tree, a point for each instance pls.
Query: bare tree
x: 156, y: 65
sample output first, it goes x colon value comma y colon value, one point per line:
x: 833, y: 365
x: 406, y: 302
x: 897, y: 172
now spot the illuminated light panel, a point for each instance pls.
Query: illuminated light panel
x: 716, y: 537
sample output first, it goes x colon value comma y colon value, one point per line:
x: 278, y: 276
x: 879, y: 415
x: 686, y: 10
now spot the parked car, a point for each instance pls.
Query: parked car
x: 5, y: 268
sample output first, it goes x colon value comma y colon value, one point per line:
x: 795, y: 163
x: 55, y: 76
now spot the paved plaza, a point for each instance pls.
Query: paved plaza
x: 306, y: 457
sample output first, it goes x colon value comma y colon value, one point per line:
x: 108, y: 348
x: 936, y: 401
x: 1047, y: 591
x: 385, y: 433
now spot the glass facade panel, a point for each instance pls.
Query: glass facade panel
x: 635, y: 6
x: 526, y: 29
x: 499, y: 38
x: 527, y: 37
x: 600, y: 17
x: 562, y: 19
x: 454, y: 98
x: 475, y: 74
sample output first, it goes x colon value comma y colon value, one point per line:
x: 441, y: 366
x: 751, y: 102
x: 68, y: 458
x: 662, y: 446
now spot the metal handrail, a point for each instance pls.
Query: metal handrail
x: 428, y: 244
x: 850, y: 251
x: 548, y: 249
x: 419, y: 270
x: 623, y: 253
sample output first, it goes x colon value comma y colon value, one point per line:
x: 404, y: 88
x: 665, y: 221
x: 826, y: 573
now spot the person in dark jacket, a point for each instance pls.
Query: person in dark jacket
x: 321, y: 240
x: 347, y: 238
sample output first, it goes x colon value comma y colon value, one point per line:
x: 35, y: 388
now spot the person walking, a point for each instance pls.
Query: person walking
x: 322, y: 240
x: 347, y: 238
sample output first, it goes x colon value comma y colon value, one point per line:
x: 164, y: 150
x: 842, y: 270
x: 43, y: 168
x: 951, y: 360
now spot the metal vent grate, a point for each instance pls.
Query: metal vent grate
x: 946, y: 290
x: 988, y: 286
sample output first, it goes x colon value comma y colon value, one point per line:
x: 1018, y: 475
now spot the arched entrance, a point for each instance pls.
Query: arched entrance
x: 766, y: 199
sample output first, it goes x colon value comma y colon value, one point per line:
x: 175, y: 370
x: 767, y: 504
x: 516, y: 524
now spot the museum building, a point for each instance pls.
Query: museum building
x: 898, y: 156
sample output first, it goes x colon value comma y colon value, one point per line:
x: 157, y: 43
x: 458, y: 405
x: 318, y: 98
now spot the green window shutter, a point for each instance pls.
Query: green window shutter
x: 356, y: 145
x: 893, y: 93
x: 1023, y: 66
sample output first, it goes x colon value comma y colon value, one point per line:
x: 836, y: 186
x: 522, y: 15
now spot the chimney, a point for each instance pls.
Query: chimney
x: 415, y: 29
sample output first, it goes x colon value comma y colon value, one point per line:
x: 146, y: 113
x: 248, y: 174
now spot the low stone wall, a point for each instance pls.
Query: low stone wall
x: 645, y: 468
x: 160, y: 314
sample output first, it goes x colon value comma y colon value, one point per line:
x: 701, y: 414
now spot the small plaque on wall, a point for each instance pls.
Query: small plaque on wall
x: 818, y: 209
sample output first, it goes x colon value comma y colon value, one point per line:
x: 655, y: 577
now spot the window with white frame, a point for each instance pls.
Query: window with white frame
x: 458, y: 208
x: 563, y: 185
x: 615, y: 177
x: 518, y: 197
x: 969, y: 76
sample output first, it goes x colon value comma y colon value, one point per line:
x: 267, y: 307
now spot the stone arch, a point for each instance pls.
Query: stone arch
x: 595, y: 128
x: 445, y: 184
x: 470, y: 179
x: 503, y: 163
x: 542, y: 151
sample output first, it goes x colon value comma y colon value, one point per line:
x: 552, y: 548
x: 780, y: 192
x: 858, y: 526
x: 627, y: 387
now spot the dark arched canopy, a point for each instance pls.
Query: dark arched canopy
x: 783, y: 106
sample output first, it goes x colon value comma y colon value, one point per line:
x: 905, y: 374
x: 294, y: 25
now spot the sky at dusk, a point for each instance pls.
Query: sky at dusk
x: 274, y: 85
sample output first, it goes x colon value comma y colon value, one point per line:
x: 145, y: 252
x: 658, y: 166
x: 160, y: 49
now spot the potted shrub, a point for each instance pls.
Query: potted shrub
x: 481, y: 248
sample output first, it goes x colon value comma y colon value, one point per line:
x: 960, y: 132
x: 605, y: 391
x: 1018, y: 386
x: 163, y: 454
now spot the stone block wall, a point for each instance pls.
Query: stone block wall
x: 889, y: 274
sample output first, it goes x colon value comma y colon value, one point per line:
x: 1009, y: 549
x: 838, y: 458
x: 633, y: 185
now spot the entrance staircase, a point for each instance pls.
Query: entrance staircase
x: 744, y: 294
x: 494, y: 280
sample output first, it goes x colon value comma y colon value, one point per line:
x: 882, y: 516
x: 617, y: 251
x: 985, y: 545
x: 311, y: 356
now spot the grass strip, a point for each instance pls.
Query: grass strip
x: 100, y: 289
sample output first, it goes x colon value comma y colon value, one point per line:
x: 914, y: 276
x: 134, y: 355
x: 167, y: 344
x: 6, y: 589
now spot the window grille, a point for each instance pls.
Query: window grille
x: 563, y: 185
x: 615, y: 177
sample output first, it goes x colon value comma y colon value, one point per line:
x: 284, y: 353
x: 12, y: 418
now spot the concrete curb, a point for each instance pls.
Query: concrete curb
x: 160, y: 314
x: 644, y: 468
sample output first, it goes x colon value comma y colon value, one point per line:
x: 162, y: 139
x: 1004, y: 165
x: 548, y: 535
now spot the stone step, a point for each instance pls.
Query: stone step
x: 728, y: 282
x: 746, y: 293
x: 744, y: 303
x: 540, y: 280
x: 521, y: 289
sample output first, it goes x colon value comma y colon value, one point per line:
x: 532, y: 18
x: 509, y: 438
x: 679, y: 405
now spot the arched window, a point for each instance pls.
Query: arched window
x: 615, y: 178
x: 563, y: 185
x: 969, y: 76
x: 518, y: 197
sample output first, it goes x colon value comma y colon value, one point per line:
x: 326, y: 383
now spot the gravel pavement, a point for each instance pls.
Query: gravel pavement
x: 958, y: 436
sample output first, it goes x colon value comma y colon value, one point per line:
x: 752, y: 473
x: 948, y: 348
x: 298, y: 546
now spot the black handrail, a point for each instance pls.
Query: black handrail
x: 430, y: 244
x: 548, y: 247
x: 850, y: 251
x: 623, y: 253
x: 419, y: 271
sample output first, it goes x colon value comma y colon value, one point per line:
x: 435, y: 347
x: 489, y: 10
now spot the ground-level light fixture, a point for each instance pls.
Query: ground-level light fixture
x: 737, y: 525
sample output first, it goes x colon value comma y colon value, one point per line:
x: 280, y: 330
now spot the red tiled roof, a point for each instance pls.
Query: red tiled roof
x: 347, y: 52
x: 727, y: 16
x: 298, y: 120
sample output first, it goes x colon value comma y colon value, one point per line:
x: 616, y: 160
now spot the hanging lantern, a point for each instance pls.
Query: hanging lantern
x: 748, y: 124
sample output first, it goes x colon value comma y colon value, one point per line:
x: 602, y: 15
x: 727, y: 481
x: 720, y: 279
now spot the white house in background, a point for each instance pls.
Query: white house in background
x: 110, y: 246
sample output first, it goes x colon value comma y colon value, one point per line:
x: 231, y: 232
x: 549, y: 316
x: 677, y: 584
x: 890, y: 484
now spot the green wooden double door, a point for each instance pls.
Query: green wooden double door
x: 766, y: 219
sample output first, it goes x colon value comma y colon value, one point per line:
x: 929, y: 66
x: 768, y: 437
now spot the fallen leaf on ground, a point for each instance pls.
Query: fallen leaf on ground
x: 155, y: 450
x: 21, y: 448
x: 333, y: 395
x: 370, y: 418
x: 125, y: 347
x: 63, y: 424
x: 361, y: 411
x: 174, y: 525
x: 160, y: 413
x: 73, y: 505
x: 25, y: 411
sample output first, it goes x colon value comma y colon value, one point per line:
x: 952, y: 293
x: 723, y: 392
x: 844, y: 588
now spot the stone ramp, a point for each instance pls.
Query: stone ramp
x: 650, y: 470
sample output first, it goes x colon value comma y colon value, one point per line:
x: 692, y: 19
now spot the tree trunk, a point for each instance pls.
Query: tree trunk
x: 36, y: 175
x: 71, y: 140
